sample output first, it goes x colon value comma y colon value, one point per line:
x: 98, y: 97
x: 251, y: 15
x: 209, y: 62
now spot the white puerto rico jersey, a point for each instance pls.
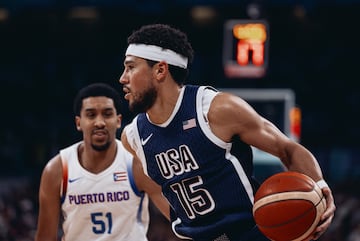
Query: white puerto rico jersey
x: 104, y: 206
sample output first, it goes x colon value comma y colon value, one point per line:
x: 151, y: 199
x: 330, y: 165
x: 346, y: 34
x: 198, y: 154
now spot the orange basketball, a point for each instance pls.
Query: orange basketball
x: 288, y: 207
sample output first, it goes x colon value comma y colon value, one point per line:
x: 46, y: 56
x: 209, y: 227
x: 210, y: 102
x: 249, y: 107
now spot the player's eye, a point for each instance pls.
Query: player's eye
x: 109, y: 113
x: 90, y: 115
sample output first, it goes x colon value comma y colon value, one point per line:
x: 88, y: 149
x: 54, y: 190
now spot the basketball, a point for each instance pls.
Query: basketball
x: 288, y: 207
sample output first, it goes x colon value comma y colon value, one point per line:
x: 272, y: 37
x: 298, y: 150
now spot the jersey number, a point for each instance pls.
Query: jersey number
x: 102, y: 222
x: 195, y: 200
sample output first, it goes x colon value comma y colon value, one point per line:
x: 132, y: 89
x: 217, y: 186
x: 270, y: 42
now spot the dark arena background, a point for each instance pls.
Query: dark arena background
x: 49, y: 49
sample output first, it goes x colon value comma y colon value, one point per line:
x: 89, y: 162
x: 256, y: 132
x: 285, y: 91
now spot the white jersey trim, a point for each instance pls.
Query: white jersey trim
x: 204, y: 98
x: 133, y: 138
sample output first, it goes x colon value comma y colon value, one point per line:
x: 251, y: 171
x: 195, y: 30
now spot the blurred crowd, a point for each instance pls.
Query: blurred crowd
x: 18, y: 210
x: 18, y: 214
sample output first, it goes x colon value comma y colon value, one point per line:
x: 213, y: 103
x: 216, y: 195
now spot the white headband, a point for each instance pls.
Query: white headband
x: 156, y: 53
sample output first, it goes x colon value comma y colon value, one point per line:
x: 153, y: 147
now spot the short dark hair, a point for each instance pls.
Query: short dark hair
x: 167, y: 37
x: 94, y: 90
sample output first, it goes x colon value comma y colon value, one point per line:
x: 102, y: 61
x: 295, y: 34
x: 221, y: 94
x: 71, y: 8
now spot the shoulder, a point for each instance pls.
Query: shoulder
x: 231, y: 115
x: 207, y: 94
x: 224, y: 102
x: 208, y: 91
x: 52, y: 173
x: 128, y: 136
x: 70, y: 150
x: 53, y: 165
x: 123, y: 147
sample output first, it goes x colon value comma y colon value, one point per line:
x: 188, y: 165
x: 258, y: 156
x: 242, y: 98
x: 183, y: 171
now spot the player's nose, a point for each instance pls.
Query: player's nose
x: 99, y: 122
x: 123, y: 79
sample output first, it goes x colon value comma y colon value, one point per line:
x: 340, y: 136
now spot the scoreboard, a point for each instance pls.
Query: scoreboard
x: 245, y: 48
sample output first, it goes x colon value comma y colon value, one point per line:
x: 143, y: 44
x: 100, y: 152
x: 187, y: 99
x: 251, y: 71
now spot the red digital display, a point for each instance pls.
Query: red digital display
x: 245, y: 50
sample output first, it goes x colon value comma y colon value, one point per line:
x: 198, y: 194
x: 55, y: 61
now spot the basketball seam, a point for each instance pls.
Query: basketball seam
x: 316, y: 221
x: 284, y: 196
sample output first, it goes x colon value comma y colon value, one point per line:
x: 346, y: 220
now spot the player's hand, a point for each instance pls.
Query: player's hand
x: 327, y: 216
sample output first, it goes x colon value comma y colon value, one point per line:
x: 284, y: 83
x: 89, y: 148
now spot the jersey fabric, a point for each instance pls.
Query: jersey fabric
x: 104, y: 206
x: 211, y: 191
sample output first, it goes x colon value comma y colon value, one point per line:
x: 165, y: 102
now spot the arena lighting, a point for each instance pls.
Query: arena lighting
x: 4, y: 14
x: 300, y: 12
x: 253, y: 11
x: 202, y: 15
x: 83, y: 13
x: 245, y: 48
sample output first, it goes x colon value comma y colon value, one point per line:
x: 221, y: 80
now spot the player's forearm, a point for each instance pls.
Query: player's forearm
x: 44, y: 235
x: 162, y: 205
x: 301, y: 160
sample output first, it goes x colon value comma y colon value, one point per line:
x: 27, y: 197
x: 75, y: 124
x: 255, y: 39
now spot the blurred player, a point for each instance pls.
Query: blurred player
x: 193, y: 141
x: 91, y: 183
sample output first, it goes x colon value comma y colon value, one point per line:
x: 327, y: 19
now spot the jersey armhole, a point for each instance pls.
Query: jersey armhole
x: 64, y: 182
x: 209, y: 94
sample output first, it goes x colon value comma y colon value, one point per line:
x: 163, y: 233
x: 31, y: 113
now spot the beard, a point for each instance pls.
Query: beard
x: 143, y: 101
x: 101, y: 147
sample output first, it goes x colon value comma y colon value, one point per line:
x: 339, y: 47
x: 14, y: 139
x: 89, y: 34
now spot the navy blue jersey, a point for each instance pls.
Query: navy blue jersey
x: 210, y: 189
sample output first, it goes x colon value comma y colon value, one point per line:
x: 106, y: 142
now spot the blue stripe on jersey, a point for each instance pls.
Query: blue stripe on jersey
x: 136, y: 191
x: 132, y: 179
x: 140, y: 209
x: 203, y: 186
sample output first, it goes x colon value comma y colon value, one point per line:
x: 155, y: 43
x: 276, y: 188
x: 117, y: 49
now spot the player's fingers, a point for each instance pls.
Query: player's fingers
x: 327, y: 216
x: 330, y: 206
x: 321, y: 228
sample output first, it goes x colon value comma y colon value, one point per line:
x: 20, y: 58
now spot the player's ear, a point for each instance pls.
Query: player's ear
x: 119, y: 118
x: 162, y: 69
x: 77, y: 123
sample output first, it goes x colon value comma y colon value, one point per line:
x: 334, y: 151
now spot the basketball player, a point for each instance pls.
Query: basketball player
x: 91, y: 182
x: 194, y: 141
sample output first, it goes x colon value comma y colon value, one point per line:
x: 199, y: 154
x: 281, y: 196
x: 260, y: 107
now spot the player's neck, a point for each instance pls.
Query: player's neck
x: 97, y: 161
x: 164, y: 105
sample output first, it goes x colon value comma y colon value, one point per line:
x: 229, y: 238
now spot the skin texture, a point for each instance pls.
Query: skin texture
x: 98, y: 121
x: 228, y: 115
